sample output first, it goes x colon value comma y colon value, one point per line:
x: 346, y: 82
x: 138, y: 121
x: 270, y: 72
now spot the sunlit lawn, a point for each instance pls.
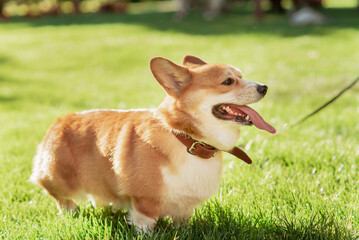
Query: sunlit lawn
x: 303, y: 183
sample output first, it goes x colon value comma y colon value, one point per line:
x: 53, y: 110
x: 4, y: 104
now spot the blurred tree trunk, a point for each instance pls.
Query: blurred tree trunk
x: 277, y: 6
x: 76, y: 4
x: 2, y: 15
x: 258, y: 12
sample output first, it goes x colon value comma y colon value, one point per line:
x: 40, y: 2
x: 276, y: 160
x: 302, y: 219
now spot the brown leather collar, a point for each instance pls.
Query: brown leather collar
x: 206, y: 151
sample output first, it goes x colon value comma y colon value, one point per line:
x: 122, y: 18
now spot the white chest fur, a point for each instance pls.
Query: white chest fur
x: 192, y: 182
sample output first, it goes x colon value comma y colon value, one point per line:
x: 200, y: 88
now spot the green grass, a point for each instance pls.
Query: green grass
x: 303, y: 183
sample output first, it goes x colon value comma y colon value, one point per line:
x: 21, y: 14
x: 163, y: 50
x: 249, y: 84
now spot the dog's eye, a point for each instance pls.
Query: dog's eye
x: 228, y: 81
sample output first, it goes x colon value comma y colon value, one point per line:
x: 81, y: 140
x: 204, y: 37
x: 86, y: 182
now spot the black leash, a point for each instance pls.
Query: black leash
x: 326, y: 104
x: 312, y: 113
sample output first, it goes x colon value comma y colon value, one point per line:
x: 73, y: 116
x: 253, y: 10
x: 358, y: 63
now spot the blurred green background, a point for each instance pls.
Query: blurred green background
x: 303, y: 183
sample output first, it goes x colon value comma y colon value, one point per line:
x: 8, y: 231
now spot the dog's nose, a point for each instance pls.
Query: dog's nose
x: 262, y: 89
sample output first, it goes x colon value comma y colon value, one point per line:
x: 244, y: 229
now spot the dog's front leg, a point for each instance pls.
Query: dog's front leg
x: 144, y: 213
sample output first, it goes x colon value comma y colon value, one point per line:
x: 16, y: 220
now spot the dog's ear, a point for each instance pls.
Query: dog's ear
x: 192, y: 61
x: 171, y: 76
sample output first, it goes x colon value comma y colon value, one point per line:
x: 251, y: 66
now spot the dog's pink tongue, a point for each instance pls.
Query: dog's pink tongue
x: 257, y: 120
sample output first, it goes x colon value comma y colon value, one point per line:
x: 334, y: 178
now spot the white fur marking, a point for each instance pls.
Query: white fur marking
x: 195, y: 181
x: 142, y: 222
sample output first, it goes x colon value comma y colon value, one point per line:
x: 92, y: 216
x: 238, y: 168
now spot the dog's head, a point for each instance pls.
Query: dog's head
x: 214, y: 96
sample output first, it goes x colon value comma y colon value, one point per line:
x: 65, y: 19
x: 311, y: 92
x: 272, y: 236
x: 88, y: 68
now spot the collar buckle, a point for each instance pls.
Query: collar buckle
x: 193, y: 147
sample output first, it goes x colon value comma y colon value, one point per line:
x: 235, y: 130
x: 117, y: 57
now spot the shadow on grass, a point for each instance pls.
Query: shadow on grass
x: 7, y: 98
x: 213, y: 221
x: 238, y: 21
x: 3, y: 59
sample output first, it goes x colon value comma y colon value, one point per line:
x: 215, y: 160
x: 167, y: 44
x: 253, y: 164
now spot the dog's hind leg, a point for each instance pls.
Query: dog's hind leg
x: 63, y: 203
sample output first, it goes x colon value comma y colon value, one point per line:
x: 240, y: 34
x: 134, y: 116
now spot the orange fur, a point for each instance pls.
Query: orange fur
x: 131, y: 158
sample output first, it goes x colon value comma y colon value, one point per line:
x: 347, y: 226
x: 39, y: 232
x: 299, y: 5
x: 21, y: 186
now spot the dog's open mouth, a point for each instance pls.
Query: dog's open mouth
x: 241, y: 114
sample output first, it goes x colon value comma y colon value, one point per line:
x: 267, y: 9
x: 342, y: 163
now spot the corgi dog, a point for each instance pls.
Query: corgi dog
x: 159, y: 162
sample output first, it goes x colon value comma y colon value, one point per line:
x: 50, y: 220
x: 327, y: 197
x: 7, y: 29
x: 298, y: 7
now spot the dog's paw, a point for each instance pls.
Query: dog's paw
x: 142, y: 223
